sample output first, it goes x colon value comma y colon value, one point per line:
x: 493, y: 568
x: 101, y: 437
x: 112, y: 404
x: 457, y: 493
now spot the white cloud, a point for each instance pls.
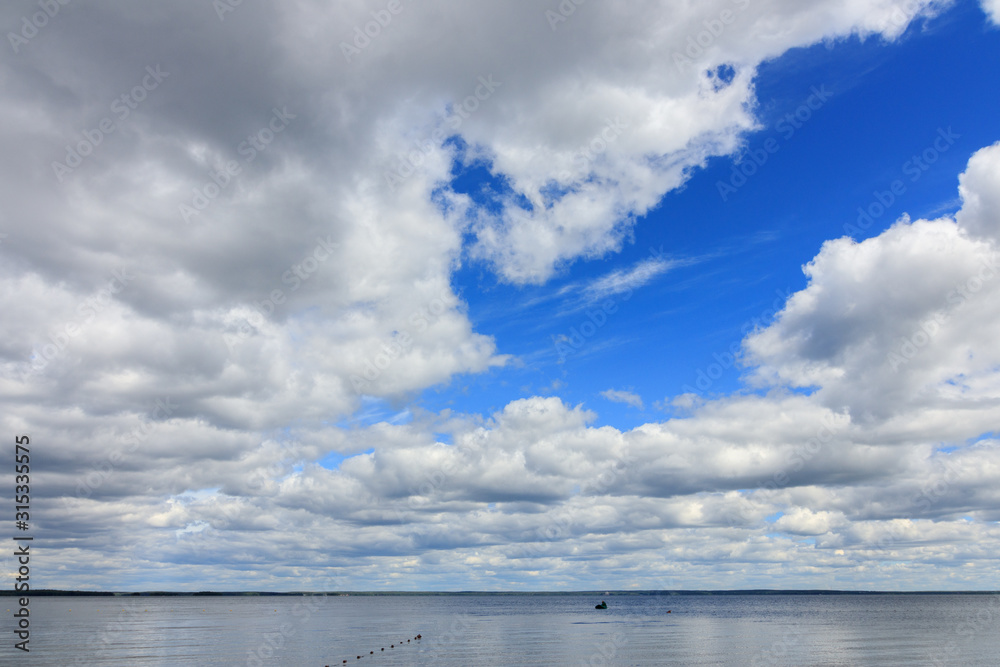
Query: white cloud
x: 673, y: 118
x: 992, y: 9
x: 802, y: 521
x: 896, y: 324
x: 626, y: 397
x: 980, y: 191
x: 378, y: 315
x: 622, y: 281
x: 229, y: 474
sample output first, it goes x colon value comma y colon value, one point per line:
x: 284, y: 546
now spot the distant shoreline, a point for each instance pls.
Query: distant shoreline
x: 44, y: 592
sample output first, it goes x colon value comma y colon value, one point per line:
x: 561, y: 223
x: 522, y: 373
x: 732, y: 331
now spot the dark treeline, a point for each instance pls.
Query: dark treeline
x: 45, y: 592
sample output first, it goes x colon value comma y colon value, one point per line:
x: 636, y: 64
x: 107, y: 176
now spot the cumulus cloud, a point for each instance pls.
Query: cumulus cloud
x: 897, y: 324
x: 980, y: 191
x: 992, y: 9
x: 196, y: 300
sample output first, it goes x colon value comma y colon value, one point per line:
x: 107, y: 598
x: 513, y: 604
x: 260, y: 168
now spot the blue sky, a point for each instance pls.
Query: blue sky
x: 502, y: 302
x: 739, y: 254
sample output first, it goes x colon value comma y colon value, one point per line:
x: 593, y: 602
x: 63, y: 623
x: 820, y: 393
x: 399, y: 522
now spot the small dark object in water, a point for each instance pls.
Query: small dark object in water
x: 603, y: 605
x: 419, y: 636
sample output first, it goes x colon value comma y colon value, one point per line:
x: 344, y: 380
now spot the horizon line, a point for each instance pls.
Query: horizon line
x: 43, y: 592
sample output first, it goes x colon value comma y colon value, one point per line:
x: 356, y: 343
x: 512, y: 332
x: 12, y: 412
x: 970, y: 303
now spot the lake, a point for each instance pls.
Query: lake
x: 946, y: 629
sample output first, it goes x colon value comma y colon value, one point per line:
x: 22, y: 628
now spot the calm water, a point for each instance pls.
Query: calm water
x: 512, y: 630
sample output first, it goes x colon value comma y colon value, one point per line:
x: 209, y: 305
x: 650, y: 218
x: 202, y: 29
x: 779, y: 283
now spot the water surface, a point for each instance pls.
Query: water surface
x: 512, y: 630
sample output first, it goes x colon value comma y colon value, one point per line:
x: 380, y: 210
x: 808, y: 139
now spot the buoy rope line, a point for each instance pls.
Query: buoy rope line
x: 391, y: 646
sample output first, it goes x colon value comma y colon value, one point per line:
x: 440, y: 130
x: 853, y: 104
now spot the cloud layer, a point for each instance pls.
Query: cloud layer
x: 227, y: 234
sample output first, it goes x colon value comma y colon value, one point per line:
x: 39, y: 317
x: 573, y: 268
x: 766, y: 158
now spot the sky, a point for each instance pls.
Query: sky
x: 504, y: 295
